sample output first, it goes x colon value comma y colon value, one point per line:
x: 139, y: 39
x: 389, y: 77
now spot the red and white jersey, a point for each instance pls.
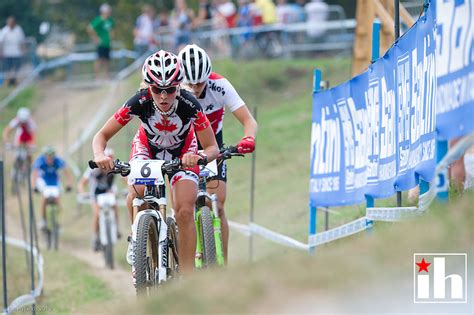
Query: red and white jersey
x: 218, y: 94
x: 25, y: 131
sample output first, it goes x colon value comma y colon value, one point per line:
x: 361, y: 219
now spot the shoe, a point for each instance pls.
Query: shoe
x: 95, y: 243
x: 119, y: 235
x: 130, y: 255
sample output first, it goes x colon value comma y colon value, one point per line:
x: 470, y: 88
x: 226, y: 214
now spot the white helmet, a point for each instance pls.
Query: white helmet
x: 162, y: 69
x: 23, y: 114
x: 197, y: 64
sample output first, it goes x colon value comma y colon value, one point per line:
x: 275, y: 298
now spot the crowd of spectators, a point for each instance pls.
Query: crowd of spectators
x: 223, y: 14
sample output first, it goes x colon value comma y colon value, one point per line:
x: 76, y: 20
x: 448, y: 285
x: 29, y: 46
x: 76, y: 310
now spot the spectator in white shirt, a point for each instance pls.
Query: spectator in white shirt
x: 317, y: 11
x: 144, y: 39
x: 12, y: 41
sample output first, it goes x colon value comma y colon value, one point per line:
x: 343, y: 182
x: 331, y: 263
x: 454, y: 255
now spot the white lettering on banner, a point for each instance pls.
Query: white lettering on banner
x: 373, y: 141
x: 326, y: 184
x: 404, y: 109
x: 387, y: 171
x: 454, y: 35
x: 326, y: 148
x: 444, y: 16
x: 349, y: 146
x: 387, y: 133
x: 460, y: 44
x: 422, y: 153
x: 423, y: 92
x: 452, y: 94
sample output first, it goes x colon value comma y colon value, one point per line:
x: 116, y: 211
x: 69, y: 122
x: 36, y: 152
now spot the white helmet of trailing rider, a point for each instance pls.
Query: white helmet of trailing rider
x: 23, y: 114
x: 163, y: 69
x: 197, y: 64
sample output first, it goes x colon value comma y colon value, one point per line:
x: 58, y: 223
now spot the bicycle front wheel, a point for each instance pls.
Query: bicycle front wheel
x: 146, y: 254
x: 208, y: 241
x: 173, y: 260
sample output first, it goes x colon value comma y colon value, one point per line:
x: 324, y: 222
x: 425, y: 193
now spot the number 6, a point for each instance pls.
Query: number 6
x: 145, y: 171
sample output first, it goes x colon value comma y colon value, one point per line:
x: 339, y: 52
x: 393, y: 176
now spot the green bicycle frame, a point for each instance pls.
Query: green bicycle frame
x: 216, y: 223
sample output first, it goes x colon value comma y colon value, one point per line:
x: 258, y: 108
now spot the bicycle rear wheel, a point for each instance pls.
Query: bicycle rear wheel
x: 146, y: 254
x: 54, y: 227
x: 108, y: 248
x: 208, y: 241
x: 173, y: 260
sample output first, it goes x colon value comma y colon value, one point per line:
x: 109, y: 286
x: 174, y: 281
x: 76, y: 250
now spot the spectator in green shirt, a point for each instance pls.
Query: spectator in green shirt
x: 100, y: 30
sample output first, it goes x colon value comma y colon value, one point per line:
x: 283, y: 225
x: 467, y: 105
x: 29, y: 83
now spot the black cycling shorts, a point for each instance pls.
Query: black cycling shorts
x: 221, y: 165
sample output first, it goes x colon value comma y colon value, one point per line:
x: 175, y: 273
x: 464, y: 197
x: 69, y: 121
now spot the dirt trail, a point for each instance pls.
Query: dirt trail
x: 62, y: 112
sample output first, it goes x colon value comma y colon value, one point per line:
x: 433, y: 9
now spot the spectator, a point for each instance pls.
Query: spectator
x: 12, y: 41
x: 100, y: 30
x: 204, y: 12
x: 182, y: 20
x: 268, y: 11
x: 317, y: 12
x: 144, y: 40
x: 228, y: 11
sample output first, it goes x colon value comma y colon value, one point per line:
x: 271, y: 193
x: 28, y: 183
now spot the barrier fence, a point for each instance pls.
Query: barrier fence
x: 390, y: 112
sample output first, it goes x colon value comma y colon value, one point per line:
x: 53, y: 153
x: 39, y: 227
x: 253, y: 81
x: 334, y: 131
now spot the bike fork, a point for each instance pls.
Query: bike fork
x: 216, y: 224
x: 199, y: 250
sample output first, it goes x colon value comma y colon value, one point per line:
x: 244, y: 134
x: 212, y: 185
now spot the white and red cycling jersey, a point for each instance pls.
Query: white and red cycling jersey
x: 218, y: 94
x: 24, y: 131
x: 160, y: 136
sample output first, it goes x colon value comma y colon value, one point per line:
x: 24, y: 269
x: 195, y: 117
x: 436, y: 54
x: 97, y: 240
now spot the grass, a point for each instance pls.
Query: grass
x: 69, y: 285
x: 375, y: 267
x: 18, y: 276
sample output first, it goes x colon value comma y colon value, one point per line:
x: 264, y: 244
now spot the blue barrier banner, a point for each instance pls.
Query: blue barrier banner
x: 375, y: 134
x: 455, y: 67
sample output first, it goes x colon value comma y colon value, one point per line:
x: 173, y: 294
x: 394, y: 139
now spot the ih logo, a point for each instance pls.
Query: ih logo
x: 440, y: 278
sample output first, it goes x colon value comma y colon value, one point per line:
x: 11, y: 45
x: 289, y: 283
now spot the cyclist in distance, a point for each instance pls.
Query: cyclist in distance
x: 215, y: 93
x: 99, y: 182
x: 24, y: 128
x: 46, y: 171
x: 170, y: 120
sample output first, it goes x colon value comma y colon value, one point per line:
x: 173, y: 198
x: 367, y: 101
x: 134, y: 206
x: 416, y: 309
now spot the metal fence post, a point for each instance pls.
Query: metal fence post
x: 443, y: 179
x: 369, y: 201
x: 4, y: 245
x: 30, y: 198
x: 317, y: 75
x: 252, y: 193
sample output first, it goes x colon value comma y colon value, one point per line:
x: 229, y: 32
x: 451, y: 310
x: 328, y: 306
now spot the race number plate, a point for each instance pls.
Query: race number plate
x: 209, y: 170
x: 146, y: 172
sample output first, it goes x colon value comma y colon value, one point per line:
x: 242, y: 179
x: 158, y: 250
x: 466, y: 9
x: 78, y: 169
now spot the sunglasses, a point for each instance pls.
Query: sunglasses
x: 158, y: 90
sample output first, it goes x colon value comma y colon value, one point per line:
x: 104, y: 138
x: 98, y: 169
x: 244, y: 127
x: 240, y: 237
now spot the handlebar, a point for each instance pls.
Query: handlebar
x: 123, y: 168
x: 228, y: 152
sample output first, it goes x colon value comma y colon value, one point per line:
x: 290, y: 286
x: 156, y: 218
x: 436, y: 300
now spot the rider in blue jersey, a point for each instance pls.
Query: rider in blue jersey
x: 46, y: 170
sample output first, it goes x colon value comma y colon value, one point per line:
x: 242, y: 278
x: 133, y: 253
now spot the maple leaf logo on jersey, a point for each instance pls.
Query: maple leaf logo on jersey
x: 165, y: 125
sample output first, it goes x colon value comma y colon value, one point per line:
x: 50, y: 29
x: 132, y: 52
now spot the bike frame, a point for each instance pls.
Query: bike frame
x: 51, y: 193
x: 155, y: 197
x: 106, y: 202
x: 203, y: 195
